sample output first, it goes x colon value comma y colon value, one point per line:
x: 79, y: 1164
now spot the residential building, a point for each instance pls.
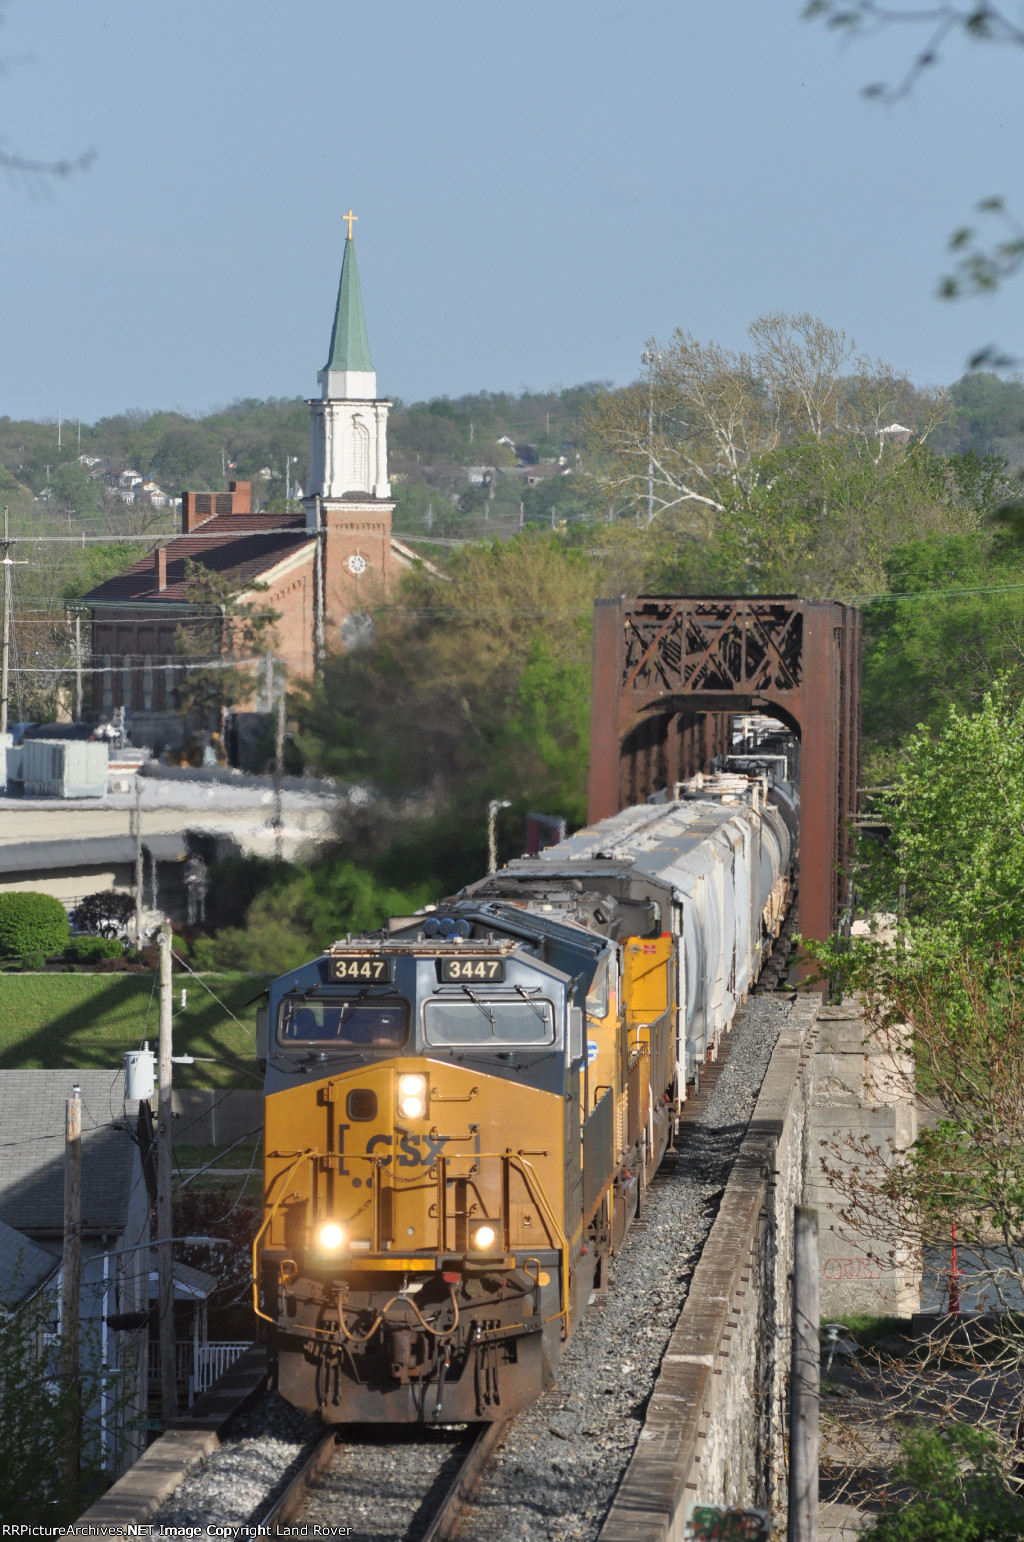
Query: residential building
x: 115, y: 1234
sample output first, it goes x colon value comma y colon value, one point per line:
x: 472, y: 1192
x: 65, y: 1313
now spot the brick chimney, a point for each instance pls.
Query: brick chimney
x: 197, y: 508
x: 160, y: 565
x: 241, y: 497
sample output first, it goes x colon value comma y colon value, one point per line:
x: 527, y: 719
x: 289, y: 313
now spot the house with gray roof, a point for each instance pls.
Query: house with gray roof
x: 116, y: 1203
x: 24, y: 1268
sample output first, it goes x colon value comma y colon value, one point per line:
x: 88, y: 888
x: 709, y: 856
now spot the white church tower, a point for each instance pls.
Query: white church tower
x: 349, y: 495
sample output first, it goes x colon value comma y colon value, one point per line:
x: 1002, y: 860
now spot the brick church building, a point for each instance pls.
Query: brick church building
x: 323, y: 567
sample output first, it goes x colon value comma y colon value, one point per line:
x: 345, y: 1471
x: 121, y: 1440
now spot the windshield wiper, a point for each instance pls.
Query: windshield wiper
x: 522, y: 991
x: 485, y: 1009
x: 354, y: 1002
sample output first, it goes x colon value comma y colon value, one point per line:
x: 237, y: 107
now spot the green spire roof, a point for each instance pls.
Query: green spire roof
x: 349, y: 347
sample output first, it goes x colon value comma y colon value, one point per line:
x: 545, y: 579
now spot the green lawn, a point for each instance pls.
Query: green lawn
x: 65, y: 1021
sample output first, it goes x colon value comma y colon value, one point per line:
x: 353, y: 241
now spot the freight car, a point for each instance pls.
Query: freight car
x: 463, y: 1110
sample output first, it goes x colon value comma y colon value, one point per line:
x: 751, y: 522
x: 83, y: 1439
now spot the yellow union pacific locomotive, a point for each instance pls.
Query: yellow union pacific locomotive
x: 462, y: 1110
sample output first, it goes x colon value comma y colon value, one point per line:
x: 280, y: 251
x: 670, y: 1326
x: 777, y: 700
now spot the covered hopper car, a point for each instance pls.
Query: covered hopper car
x: 463, y: 1110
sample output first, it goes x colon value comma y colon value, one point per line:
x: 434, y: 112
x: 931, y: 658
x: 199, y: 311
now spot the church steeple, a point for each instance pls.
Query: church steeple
x: 349, y: 373
x: 348, y: 428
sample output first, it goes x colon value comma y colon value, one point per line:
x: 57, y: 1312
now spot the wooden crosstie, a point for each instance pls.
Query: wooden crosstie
x: 670, y: 672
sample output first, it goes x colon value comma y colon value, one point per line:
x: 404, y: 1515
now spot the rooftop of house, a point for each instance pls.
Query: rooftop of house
x: 32, y: 1120
x: 189, y: 1284
x: 238, y: 546
x: 23, y: 1267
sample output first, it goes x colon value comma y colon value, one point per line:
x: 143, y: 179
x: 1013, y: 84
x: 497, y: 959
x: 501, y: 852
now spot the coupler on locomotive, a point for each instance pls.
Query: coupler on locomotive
x: 474, y: 1341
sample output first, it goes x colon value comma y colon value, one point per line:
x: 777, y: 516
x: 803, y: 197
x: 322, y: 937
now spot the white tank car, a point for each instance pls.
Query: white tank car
x: 712, y: 867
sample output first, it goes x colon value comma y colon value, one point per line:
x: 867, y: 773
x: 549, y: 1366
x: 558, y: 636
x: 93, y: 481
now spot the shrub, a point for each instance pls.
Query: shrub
x: 89, y: 950
x: 119, y: 965
x: 34, y: 962
x: 106, y: 913
x: 32, y: 923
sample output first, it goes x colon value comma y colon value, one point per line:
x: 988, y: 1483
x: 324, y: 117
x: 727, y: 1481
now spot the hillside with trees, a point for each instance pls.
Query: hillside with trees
x: 795, y: 464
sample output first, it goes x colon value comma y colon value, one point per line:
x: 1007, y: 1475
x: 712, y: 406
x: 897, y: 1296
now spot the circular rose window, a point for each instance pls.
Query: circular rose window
x: 356, y: 564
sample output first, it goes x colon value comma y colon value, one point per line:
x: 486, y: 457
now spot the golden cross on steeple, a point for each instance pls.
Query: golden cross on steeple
x: 350, y: 217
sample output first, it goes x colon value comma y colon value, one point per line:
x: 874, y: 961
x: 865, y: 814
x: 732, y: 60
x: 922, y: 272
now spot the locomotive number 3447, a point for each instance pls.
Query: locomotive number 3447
x: 472, y: 969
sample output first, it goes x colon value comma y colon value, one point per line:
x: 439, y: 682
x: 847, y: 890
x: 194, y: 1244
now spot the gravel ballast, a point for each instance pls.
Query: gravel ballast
x: 558, y: 1466
x: 556, y: 1471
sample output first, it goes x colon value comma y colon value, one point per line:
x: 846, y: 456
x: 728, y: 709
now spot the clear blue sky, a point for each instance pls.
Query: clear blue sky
x: 540, y: 187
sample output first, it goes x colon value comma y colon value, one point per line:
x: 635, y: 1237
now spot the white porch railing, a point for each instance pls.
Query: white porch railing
x: 196, y: 1365
x: 213, y: 1359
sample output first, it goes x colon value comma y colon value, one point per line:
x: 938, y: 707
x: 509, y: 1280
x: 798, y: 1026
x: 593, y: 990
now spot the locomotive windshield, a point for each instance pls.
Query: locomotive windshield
x: 335, y: 1020
x: 480, y: 1019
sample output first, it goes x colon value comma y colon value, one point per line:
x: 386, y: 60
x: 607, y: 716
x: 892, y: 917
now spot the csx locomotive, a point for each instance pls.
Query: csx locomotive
x: 463, y: 1110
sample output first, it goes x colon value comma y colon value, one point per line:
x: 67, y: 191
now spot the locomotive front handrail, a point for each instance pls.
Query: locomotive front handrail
x: 302, y: 1156
x: 528, y: 1173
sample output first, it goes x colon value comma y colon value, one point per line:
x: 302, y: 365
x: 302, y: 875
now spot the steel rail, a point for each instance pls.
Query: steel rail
x: 290, y: 1501
x: 462, y: 1485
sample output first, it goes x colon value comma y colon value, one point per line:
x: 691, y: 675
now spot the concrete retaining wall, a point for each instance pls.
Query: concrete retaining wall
x: 713, y: 1432
x: 861, y: 1093
x: 715, y: 1427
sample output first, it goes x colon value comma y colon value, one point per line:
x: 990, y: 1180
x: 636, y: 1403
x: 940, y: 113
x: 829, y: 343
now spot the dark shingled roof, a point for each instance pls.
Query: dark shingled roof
x: 32, y: 1121
x: 23, y: 1267
x: 234, y: 545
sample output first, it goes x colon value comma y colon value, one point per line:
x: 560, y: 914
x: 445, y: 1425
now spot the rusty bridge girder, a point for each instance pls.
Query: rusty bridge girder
x: 669, y: 673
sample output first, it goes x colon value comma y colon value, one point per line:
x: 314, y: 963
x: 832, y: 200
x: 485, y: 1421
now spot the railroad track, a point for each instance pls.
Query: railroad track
x: 312, y: 1496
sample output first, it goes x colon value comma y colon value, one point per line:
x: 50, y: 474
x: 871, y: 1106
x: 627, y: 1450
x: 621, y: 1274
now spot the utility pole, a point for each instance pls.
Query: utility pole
x: 58, y: 425
x: 6, y: 657
x: 71, y: 1285
x: 164, y: 1206
x: 804, y: 1381
x: 279, y: 773
x: 8, y: 563
x: 137, y: 821
x: 78, y: 662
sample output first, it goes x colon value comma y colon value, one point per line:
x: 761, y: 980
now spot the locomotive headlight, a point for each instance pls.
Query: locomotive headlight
x: 412, y: 1096
x: 484, y: 1237
x: 332, y: 1237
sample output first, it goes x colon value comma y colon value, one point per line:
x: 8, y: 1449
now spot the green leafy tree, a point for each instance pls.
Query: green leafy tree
x: 955, y: 858
x: 301, y: 911
x: 218, y: 641
x: 958, y: 1491
x: 693, y: 433
x: 427, y: 703
x: 35, y: 1413
x: 822, y: 514
x: 943, y: 984
x: 470, y: 688
x: 951, y: 622
x: 74, y: 491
